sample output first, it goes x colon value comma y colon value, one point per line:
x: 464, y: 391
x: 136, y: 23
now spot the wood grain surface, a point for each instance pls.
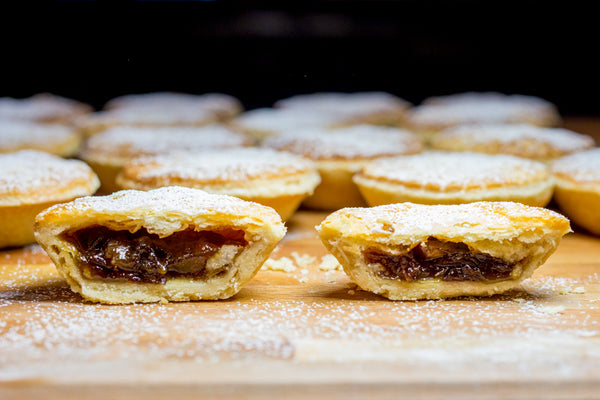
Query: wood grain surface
x: 308, y: 332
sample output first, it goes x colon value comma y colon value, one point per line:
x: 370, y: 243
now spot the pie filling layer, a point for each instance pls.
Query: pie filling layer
x: 435, y: 259
x: 145, y: 257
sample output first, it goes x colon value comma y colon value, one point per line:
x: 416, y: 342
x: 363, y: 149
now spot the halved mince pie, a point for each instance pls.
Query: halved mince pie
x: 412, y: 251
x: 168, y: 244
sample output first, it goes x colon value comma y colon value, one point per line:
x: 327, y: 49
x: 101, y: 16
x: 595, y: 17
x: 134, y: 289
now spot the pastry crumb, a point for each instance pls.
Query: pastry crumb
x: 351, y: 292
x: 284, y: 264
x: 302, y: 260
x: 552, y: 309
x: 329, y: 263
x: 572, y: 290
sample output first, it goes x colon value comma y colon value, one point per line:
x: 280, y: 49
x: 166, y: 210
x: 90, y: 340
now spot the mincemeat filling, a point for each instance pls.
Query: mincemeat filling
x: 145, y: 257
x: 435, y: 259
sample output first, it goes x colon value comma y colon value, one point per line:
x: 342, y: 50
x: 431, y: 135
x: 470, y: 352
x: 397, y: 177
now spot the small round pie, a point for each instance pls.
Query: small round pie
x: 31, y: 181
x: 577, y: 191
x: 438, y: 113
x: 57, y: 139
x: 262, y: 123
x: 181, y: 116
x: 521, y: 140
x: 222, y: 105
x: 272, y: 178
x: 454, y: 178
x: 413, y: 251
x: 340, y: 153
x: 43, y: 107
x: 378, y: 108
x: 167, y: 244
x: 108, y: 151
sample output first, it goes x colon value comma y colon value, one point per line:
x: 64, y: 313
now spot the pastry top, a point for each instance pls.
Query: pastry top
x: 350, y: 143
x: 31, y: 177
x: 408, y: 223
x: 583, y: 167
x: 215, y: 167
x: 43, y: 107
x: 441, y: 112
x: 222, y: 105
x: 276, y: 121
x: 161, y: 211
x: 119, y: 144
x: 181, y: 115
x: 517, y: 139
x: 52, y: 138
x: 350, y: 104
x: 456, y: 171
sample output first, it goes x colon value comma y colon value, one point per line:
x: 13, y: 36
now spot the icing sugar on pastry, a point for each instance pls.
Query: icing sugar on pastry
x: 30, y: 176
x: 517, y: 139
x: 354, y: 142
x: 43, y: 107
x: 582, y: 167
x: 452, y: 171
x: 52, y: 138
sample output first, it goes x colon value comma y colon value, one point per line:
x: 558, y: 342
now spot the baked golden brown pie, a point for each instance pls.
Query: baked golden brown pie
x: 223, y: 106
x: 58, y: 139
x: 272, y: 178
x: 412, y: 251
x: 31, y: 181
x: 454, y: 178
x: 378, y: 108
x: 43, y: 108
x: 577, y: 191
x: 437, y: 113
x: 521, y: 140
x: 262, y: 123
x: 108, y: 151
x: 342, y: 152
x: 167, y: 244
x: 184, y: 116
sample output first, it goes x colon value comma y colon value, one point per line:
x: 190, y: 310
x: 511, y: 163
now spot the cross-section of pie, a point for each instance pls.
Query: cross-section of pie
x: 168, y: 244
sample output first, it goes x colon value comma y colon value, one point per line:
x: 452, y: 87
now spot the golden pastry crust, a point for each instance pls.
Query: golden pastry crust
x: 455, y: 178
x: 518, y: 237
x: 437, y: 113
x: 159, y: 214
x: 108, y: 151
x: 262, y: 123
x: 60, y: 140
x: 521, y: 140
x: 378, y: 108
x: 342, y: 152
x: 43, y: 108
x: 31, y: 181
x: 577, y: 191
x: 272, y: 178
x: 223, y: 106
x: 182, y: 116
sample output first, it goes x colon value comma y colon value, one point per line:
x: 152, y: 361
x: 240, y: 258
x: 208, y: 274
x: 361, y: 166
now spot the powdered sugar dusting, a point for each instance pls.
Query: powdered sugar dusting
x: 408, y: 219
x: 359, y: 141
x: 582, y: 167
x: 457, y: 170
x: 228, y: 165
x: 16, y: 134
x: 282, y: 120
x: 562, y: 140
x: 132, y: 141
x: 482, y: 108
x: 40, y: 107
x: 33, y: 173
x: 350, y: 104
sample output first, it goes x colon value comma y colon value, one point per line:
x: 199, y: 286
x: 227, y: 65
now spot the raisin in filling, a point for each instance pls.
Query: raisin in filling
x: 145, y: 257
x: 435, y: 259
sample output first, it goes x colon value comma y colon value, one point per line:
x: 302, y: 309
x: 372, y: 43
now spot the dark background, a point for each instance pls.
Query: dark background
x: 263, y: 51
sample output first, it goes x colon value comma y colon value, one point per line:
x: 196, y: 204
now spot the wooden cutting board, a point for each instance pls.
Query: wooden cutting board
x: 305, y: 332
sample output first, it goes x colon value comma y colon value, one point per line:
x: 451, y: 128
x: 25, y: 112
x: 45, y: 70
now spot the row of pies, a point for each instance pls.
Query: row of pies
x: 317, y: 110
x: 176, y: 243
